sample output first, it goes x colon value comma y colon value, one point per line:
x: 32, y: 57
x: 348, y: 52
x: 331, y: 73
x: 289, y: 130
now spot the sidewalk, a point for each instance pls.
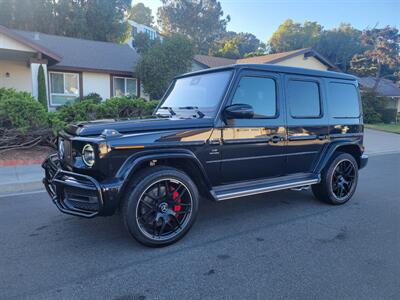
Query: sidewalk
x: 21, y: 178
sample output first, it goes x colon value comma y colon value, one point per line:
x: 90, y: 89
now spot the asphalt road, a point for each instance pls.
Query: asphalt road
x: 274, y: 246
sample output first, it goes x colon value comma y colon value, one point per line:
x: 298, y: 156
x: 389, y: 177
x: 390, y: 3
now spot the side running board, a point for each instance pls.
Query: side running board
x: 248, y: 188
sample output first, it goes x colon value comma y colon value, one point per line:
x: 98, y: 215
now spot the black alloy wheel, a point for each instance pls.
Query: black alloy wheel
x: 343, y: 179
x: 338, y: 180
x: 164, y: 209
x: 161, y: 207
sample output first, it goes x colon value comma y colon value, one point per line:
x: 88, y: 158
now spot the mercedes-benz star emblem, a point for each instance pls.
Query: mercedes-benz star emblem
x: 163, y: 207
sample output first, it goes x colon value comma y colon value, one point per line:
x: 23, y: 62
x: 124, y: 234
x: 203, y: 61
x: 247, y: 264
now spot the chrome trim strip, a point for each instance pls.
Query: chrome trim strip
x: 340, y: 135
x: 260, y: 157
x: 256, y: 191
x: 247, y: 141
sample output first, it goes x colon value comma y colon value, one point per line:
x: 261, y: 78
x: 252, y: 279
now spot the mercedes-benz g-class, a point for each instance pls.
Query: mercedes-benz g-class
x: 223, y: 133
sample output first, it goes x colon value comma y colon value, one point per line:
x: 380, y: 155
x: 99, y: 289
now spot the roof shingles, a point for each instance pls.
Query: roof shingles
x: 386, y: 87
x: 211, y: 62
x: 85, y: 54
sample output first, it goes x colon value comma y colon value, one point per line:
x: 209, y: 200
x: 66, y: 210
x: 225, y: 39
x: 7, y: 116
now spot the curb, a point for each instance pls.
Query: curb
x: 19, y: 162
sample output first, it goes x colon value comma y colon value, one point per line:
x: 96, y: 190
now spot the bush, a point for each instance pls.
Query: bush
x: 389, y: 115
x: 42, y: 94
x: 114, y: 108
x: 91, y: 97
x: 24, y: 121
x: 87, y: 110
x: 19, y: 110
x: 372, y: 107
x: 125, y: 107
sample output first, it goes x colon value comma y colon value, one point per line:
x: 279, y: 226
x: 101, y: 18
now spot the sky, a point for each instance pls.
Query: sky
x: 262, y: 17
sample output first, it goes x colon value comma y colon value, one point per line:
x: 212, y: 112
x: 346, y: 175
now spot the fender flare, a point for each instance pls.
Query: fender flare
x: 130, y: 166
x: 330, y: 150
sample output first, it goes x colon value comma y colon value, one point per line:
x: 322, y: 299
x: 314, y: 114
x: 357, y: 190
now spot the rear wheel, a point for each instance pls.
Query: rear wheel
x: 161, y: 207
x: 338, y: 180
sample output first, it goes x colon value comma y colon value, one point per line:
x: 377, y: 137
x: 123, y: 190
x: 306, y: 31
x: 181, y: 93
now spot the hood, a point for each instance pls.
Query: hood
x: 95, y: 128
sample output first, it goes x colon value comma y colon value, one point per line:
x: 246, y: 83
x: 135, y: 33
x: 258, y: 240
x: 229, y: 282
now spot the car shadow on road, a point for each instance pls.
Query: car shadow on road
x: 215, y: 221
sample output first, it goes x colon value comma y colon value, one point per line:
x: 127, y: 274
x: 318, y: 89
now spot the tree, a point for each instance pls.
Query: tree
x: 161, y: 63
x: 237, y: 45
x: 42, y: 94
x: 71, y: 19
x: 105, y: 20
x: 37, y: 15
x: 382, y: 58
x: 141, y: 14
x: 142, y: 42
x: 292, y: 36
x: 90, y: 19
x: 340, y: 44
x: 200, y: 20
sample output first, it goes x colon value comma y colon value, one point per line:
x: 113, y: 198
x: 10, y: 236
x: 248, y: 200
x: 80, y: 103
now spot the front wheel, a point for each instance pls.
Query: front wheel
x: 338, y: 180
x: 162, y: 206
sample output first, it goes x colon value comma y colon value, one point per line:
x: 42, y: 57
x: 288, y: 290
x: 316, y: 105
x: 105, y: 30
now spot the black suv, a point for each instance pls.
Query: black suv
x: 223, y: 133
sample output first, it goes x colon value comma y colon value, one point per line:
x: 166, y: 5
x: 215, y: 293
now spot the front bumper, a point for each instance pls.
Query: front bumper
x: 363, y: 161
x: 78, y: 194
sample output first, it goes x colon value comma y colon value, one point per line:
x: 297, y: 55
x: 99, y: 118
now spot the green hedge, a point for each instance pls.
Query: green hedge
x: 19, y: 110
x: 375, y: 111
x: 389, y: 115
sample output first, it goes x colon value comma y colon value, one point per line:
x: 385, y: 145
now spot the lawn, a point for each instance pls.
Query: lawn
x: 395, y: 128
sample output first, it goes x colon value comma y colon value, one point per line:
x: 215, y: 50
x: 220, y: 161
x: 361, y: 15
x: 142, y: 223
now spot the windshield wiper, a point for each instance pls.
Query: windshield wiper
x: 195, y: 108
x: 170, y: 111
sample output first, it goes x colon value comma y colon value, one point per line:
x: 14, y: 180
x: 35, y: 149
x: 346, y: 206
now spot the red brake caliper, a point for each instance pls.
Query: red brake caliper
x: 175, y: 195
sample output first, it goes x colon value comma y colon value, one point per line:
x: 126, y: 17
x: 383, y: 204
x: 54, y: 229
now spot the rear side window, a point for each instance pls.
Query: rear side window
x: 304, y: 99
x: 260, y: 93
x: 343, y: 100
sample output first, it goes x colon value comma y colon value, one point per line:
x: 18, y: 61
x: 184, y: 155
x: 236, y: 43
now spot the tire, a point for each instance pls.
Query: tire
x: 162, y: 200
x: 332, y: 189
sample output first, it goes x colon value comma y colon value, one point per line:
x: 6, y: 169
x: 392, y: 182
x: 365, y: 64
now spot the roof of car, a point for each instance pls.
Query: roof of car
x: 277, y: 69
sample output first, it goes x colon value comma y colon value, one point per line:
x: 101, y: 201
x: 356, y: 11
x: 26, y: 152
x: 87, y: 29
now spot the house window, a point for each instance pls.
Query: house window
x: 123, y: 86
x: 64, y: 88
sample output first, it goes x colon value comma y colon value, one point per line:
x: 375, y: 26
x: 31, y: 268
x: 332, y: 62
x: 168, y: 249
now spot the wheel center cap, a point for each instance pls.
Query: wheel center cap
x: 163, y: 207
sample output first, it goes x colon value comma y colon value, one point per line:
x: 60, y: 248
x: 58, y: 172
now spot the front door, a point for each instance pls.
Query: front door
x: 307, y: 122
x: 255, y: 148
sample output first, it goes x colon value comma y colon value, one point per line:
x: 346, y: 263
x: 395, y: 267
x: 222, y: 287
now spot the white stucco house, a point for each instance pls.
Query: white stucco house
x: 73, y: 67
x: 386, y: 88
x: 140, y: 28
x: 302, y: 58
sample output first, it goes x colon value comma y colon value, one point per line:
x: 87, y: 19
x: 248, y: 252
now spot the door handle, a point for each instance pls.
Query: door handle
x: 322, y: 137
x: 275, y: 139
x: 215, y: 142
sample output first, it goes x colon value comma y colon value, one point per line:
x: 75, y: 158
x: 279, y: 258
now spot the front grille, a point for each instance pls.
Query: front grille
x: 81, y: 195
x: 77, y: 201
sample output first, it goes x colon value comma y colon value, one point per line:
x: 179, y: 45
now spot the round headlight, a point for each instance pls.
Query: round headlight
x: 88, y: 155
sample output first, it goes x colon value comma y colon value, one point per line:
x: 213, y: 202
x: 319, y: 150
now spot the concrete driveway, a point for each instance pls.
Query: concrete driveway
x: 380, y: 142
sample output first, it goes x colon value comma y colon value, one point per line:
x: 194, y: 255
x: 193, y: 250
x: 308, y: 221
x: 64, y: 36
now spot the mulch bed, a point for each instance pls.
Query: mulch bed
x: 15, y: 157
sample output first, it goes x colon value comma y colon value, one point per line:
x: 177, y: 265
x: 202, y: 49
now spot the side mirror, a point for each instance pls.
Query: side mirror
x: 239, y: 111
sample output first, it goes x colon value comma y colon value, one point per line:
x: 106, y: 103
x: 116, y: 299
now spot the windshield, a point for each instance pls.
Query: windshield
x: 195, y: 96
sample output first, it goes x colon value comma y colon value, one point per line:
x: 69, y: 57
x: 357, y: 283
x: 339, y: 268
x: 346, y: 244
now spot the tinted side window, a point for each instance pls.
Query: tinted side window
x: 303, y: 98
x: 343, y: 100
x: 260, y: 93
